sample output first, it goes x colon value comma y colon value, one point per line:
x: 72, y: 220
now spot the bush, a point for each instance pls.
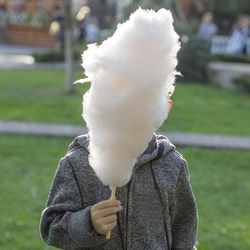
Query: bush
x: 193, y: 59
x: 58, y: 56
x: 232, y: 58
x: 243, y: 83
x: 51, y: 56
x: 54, y: 56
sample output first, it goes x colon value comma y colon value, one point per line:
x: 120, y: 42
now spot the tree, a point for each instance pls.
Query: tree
x: 185, y: 23
x: 68, y: 45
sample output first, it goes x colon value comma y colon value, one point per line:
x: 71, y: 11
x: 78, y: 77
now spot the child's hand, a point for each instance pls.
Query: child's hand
x: 103, y: 215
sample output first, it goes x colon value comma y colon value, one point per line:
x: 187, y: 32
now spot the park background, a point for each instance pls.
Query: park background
x: 36, y: 88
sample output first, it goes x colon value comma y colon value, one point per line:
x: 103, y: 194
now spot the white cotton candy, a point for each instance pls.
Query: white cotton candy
x: 132, y: 74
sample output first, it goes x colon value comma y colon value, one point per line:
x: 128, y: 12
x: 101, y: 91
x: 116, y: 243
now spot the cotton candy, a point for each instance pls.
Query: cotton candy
x: 132, y: 76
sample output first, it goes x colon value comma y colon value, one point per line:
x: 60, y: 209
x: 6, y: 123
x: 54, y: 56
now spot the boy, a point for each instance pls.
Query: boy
x: 156, y: 210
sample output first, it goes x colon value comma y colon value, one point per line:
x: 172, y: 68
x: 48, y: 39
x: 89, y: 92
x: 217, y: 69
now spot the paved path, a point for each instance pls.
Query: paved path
x: 14, y: 49
x: 20, y: 57
x: 182, y: 139
x: 28, y: 62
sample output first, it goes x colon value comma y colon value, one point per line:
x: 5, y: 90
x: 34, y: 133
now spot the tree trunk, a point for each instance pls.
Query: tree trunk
x: 68, y: 45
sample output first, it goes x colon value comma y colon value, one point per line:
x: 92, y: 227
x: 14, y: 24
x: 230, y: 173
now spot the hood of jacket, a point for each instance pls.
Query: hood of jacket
x: 158, y: 146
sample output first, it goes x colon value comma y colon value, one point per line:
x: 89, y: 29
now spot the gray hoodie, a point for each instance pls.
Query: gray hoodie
x: 159, y: 210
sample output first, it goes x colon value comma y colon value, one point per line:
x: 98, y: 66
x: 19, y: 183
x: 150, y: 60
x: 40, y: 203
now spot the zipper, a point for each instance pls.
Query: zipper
x: 129, y: 210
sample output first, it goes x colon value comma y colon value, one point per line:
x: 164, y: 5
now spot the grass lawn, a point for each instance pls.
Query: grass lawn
x: 220, y: 180
x: 38, y: 95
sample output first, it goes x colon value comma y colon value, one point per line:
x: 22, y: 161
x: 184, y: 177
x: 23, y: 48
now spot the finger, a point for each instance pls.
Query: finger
x: 107, y: 211
x: 109, y: 227
x: 106, y: 204
x: 108, y: 219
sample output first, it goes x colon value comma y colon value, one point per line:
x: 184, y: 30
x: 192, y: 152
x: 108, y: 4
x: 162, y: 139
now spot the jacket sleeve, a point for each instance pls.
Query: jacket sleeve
x: 183, y: 212
x: 64, y: 222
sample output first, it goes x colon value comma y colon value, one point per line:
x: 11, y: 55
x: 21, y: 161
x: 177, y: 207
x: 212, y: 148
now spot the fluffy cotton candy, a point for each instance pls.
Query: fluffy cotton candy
x: 132, y: 75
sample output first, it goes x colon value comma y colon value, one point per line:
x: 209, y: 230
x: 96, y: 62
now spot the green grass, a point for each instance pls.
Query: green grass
x: 27, y: 168
x: 209, y: 109
x: 38, y: 95
x: 220, y: 181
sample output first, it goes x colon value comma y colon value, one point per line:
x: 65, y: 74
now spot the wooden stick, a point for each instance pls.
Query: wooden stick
x: 113, y: 197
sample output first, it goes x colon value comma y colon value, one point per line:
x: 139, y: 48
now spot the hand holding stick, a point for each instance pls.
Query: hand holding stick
x: 103, y: 215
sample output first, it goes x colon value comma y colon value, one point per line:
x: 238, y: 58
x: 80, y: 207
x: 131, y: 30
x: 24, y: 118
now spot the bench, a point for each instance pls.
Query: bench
x: 224, y: 73
x: 29, y: 35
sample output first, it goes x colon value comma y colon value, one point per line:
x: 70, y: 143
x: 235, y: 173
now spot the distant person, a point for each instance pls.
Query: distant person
x: 91, y: 30
x: 79, y: 30
x: 207, y: 28
x: 57, y: 27
x: 239, y: 35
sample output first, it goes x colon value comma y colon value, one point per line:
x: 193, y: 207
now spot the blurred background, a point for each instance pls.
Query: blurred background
x: 41, y: 43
